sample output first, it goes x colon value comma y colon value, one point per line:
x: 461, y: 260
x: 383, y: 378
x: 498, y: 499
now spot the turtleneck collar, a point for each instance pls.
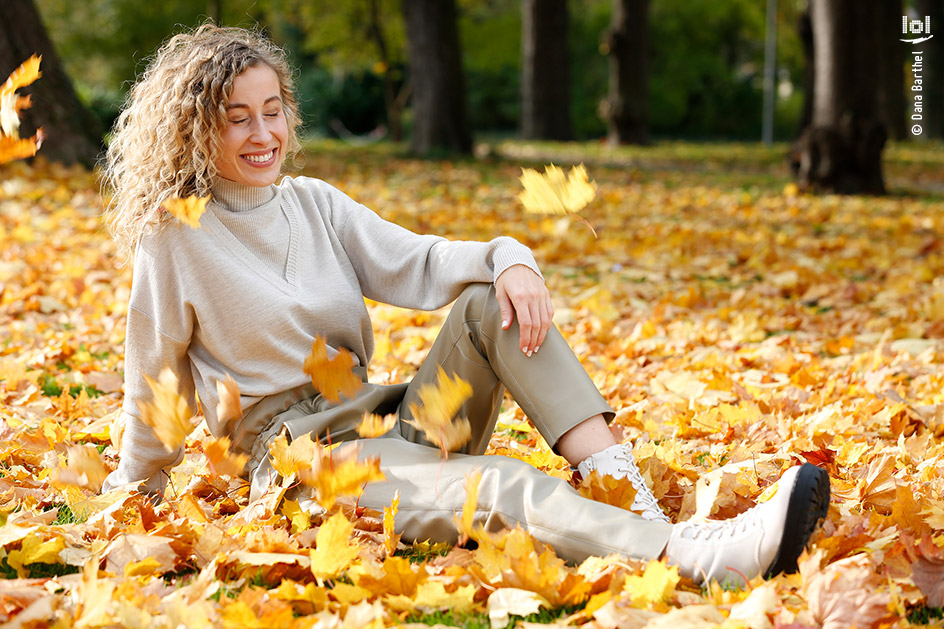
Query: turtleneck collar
x: 238, y: 197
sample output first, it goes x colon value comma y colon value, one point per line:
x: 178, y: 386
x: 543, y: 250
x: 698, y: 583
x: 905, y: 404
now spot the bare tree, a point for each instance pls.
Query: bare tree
x: 545, y: 71
x: 72, y: 133
x: 626, y: 108
x: 440, y: 119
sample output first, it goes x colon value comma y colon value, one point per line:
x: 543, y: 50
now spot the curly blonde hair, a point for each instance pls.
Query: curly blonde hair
x: 166, y: 140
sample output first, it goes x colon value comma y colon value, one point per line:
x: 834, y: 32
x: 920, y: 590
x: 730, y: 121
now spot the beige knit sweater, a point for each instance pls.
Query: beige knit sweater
x: 268, y: 269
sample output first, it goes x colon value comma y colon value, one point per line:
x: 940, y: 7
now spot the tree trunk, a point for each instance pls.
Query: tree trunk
x: 392, y: 102
x: 72, y: 133
x: 626, y: 108
x: 890, y: 73
x: 933, y: 62
x: 841, y: 149
x: 545, y: 71
x: 805, y: 30
x: 440, y: 121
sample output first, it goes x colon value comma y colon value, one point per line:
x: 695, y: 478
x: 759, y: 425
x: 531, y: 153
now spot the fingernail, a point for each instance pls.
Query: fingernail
x: 529, y: 353
x: 536, y: 349
x: 504, y: 325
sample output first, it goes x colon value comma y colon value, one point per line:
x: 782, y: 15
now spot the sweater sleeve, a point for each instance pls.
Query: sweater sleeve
x: 402, y: 268
x: 158, y: 336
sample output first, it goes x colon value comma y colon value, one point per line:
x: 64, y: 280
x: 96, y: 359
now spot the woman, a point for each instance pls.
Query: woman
x: 272, y: 265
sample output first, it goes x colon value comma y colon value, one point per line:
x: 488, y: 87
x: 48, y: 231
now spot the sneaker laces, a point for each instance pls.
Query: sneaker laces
x: 645, y: 500
x: 719, y: 529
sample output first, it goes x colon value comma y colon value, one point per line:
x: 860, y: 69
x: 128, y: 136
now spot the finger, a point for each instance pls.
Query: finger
x: 504, y: 306
x: 546, y: 323
x: 524, y: 328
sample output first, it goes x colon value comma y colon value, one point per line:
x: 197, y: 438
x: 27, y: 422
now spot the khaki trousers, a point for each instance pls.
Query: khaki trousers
x: 551, y: 387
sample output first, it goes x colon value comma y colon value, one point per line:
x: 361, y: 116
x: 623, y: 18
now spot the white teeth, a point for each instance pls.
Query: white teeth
x: 260, y: 158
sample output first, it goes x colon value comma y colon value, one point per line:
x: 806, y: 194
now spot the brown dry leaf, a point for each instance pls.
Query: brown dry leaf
x: 188, y: 210
x: 927, y: 566
x: 168, y: 413
x: 436, y: 417
x: 845, y: 593
x: 333, y: 377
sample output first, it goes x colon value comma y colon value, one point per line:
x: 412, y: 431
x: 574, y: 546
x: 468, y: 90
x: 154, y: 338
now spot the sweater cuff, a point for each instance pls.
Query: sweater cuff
x: 142, y: 459
x: 508, y: 252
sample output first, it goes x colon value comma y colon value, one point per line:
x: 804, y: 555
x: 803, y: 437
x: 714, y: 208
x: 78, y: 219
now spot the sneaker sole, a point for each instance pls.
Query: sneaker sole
x: 809, y: 503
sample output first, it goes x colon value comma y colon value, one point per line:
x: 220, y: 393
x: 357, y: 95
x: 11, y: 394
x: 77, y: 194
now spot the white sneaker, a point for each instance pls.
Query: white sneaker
x: 766, y: 539
x: 618, y: 461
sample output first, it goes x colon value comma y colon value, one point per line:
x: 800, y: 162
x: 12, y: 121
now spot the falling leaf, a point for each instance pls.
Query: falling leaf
x: 373, y: 425
x: 25, y: 74
x: 333, y: 377
x: 188, y: 210
x: 85, y: 468
x: 469, y: 507
x: 288, y: 459
x: 555, y: 193
x: 436, y: 415
x: 229, y: 409
x: 168, y: 412
x: 11, y: 146
x: 334, y: 550
x: 221, y: 459
x: 338, y: 472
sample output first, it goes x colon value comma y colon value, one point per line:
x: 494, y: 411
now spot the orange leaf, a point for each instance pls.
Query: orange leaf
x: 229, y: 408
x: 187, y: 211
x: 23, y: 75
x: 13, y: 148
x: 332, y: 377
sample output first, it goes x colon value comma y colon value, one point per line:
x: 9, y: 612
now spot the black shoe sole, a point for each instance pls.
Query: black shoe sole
x: 809, y: 503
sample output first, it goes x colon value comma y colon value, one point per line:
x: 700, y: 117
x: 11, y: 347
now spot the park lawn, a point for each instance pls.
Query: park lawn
x: 736, y: 325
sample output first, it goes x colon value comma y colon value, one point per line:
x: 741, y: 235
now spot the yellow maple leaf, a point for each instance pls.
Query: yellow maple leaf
x: 188, y: 210
x: 148, y: 565
x: 288, y: 459
x: 332, y: 377
x: 168, y: 413
x: 298, y: 517
x: 653, y: 588
x: 373, y: 425
x: 23, y: 75
x: 555, y: 193
x: 12, y: 148
x: 334, y: 551
x: 436, y: 417
x: 33, y: 549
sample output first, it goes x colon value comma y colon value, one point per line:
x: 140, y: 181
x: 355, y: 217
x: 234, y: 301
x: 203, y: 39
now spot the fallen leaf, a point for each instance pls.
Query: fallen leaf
x: 334, y: 551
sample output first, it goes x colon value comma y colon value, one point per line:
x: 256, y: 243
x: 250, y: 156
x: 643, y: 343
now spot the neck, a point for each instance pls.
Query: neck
x: 239, y: 197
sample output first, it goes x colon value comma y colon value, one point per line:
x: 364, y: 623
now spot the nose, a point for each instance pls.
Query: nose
x: 260, y: 133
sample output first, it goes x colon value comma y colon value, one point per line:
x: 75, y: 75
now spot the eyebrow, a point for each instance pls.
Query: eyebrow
x: 242, y: 106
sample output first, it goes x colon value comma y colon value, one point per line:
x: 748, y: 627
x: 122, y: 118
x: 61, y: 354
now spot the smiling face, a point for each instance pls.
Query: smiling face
x: 256, y: 135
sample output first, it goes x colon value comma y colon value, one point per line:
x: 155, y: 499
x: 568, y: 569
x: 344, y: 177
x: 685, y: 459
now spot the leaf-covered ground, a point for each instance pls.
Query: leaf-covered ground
x: 737, y: 326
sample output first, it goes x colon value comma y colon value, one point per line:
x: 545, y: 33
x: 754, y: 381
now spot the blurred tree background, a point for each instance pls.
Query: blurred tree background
x: 705, y: 66
x: 673, y: 69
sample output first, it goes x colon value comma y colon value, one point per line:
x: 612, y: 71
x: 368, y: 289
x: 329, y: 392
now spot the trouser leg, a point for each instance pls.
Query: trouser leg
x: 511, y: 492
x: 551, y: 386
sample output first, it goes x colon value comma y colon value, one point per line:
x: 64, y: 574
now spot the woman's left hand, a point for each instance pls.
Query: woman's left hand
x: 522, y: 292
